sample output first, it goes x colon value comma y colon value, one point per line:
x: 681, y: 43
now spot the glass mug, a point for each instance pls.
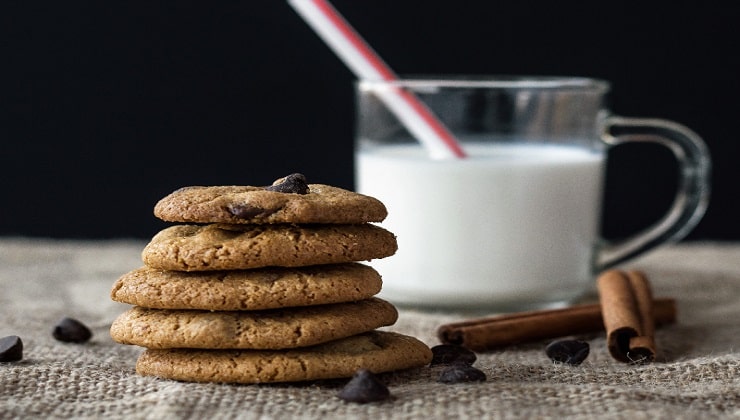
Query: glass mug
x: 516, y: 224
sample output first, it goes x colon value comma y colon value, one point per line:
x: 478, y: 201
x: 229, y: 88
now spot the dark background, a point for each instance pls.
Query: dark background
x: 107, y: 106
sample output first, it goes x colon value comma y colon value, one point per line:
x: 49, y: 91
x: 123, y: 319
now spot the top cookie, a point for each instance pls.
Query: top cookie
x: 273, y: 204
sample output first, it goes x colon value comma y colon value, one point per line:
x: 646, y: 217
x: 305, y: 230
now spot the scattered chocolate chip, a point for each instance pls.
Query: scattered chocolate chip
x: 572, y: 352
x: 364, y: 387
x: 459, y: 372
x: 11, y: 349
x: 446, y: 354
x: 71, y: 331
x: 244, y: 211
x: 294, y: 183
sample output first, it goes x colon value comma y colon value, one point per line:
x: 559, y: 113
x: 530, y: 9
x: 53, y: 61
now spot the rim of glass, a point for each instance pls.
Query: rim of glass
x: 493, y: 82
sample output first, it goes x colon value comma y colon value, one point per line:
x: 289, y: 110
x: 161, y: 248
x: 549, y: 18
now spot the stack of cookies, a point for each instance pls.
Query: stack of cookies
x: 263, y: 284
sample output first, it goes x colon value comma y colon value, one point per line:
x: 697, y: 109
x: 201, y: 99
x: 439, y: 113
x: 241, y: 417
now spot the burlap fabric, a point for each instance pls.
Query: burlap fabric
x: 42, y: 281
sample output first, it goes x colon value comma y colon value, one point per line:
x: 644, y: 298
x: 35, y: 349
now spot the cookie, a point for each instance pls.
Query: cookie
x: 270, y: 329
x: 234, y: 247
x: 248, y: 205
x: 242, y: 290
x: 377, y: 351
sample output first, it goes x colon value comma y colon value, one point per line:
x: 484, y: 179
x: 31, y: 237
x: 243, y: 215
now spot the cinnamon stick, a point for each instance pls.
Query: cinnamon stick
x: 629, y: 315
x: 503, y: 330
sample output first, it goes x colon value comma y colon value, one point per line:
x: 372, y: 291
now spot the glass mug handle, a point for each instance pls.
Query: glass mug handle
x: 692, y: 195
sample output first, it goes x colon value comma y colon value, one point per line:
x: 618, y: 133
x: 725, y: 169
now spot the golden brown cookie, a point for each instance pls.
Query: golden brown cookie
x: 241, y: 290
x: 270, y: 329
x: 234, y: 247
x: 249, y: 204
x: 376, y: 351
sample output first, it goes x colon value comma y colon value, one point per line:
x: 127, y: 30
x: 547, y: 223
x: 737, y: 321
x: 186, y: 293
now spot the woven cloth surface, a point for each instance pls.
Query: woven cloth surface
x: 42, y: 281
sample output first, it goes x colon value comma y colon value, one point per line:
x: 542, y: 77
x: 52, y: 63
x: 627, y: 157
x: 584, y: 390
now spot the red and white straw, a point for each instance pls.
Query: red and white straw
x: 367, y: 65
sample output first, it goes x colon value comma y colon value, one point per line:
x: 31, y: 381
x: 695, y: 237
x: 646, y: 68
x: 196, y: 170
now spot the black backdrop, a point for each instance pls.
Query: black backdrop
x: 109, y: 105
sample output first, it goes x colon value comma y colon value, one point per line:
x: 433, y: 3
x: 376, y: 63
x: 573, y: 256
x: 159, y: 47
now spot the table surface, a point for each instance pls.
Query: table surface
x: 42, y: 281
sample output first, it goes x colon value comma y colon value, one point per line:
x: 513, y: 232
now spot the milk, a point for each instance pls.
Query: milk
x: 511, y: 225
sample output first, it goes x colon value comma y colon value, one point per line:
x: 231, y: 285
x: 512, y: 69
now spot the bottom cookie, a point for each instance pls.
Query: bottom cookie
x: 377, y: 351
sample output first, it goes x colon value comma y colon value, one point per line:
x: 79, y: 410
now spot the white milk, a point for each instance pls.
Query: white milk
x: 511, y: 225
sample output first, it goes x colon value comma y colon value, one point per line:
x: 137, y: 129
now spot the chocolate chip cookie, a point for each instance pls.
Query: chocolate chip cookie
x: 251, y: 204
x: 246, y: 290
x: 268, y: 329
x: 235, y: 247
x: 377, y: 351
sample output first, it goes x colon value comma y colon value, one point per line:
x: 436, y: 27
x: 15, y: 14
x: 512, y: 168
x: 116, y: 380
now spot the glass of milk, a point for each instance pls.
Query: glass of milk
x: 515, y: 224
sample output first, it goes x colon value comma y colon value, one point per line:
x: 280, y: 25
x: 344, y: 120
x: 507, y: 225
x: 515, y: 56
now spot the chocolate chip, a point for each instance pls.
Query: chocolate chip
x: 364, y: 387
x: 11, y: 349
x: 71, y: 331
x: 294, y: 183
x: 572, y: 352
x: 446, y: 354
x: 459, y: 372
x: 244, y: 211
